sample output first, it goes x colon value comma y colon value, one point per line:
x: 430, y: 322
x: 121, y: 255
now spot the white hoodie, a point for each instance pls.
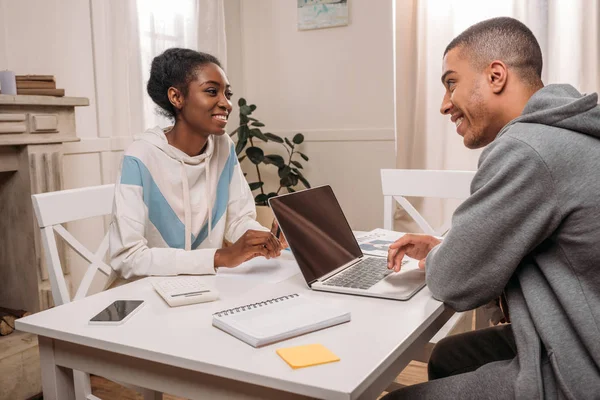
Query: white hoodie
x: 160, y: 223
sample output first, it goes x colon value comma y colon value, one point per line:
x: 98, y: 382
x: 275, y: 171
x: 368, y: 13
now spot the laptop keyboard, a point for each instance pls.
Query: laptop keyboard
x: 362, y: 275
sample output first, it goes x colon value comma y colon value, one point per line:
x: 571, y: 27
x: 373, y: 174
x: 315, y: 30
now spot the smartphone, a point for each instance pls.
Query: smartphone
x: 117, y: 313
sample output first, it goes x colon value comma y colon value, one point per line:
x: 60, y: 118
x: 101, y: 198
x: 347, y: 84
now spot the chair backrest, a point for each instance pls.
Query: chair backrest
x: 400, y: 183
x: 56, y: 208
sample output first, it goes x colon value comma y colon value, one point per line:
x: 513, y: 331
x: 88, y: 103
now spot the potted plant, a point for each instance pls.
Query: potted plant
x: 249, y: 136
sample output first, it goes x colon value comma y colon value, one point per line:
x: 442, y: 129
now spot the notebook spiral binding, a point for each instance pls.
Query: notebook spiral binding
x: 231, y: 311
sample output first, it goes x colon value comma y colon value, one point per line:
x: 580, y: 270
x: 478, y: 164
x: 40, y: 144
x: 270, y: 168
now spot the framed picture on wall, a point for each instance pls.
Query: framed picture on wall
x: 316, y: 14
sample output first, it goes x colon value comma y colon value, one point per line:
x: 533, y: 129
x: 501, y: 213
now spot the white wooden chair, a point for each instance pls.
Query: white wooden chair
x: 397, y: 184
x: 54, y: 209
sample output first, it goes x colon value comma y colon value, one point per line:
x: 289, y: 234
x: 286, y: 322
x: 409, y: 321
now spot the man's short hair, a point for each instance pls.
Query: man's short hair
x: 505, y: 39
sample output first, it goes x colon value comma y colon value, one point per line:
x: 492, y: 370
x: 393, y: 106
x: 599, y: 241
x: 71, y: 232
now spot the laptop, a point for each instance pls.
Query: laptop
x: 328, y: 254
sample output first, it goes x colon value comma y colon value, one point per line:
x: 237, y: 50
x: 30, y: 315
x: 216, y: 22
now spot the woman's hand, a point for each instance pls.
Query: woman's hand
x: 412, y: 245
x: 275, y: 230
x: 251, y: 244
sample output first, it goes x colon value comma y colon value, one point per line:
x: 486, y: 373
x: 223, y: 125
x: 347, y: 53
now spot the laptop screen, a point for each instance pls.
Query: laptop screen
x: 316, y: 230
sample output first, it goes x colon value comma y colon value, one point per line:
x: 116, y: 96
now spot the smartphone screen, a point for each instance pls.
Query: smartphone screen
x: 117, y: 311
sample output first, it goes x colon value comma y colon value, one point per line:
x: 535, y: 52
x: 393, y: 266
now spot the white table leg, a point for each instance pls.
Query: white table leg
x: 83, y: 387
x: 57, y: 382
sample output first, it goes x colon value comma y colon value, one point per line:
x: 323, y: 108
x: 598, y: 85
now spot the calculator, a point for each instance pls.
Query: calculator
x: 183, y: 290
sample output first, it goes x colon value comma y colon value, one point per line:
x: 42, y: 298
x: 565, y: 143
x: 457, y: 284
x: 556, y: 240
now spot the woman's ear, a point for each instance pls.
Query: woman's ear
x: 498, y: 74
x: 176, y: 98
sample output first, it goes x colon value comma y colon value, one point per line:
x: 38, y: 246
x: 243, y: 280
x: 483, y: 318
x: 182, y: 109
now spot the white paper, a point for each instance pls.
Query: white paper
x: 377, y: 242
x: 274, y: 270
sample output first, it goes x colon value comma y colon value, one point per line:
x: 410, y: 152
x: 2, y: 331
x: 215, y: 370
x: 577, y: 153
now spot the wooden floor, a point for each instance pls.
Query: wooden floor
x: 415, y: 372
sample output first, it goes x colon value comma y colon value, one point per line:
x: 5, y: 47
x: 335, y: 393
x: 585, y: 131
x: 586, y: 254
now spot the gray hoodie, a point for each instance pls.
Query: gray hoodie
x: 531, y: 229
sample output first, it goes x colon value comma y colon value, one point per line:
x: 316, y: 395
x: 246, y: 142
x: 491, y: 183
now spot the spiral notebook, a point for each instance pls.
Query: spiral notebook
x: 274, y: 320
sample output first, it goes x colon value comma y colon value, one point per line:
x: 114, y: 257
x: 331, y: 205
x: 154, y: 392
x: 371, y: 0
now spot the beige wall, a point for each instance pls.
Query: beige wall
x: 334, y: 85
x: 54, y: 37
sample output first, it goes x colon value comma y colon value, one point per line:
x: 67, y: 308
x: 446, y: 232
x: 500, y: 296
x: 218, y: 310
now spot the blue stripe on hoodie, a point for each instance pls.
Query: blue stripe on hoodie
x: 160, y: 213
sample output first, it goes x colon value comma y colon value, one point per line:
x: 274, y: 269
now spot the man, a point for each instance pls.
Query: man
x: 530, y: 230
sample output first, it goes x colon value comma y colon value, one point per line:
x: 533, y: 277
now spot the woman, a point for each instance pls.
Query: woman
x: 181, y: 191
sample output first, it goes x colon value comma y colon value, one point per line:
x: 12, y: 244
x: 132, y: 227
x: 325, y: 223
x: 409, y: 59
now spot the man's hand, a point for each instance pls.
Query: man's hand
x: 412, y: 245
x: 251, y: 244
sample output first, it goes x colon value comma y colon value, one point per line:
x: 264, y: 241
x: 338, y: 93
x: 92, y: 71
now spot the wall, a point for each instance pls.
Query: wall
x: 55, y: 37
x: 334, y: 85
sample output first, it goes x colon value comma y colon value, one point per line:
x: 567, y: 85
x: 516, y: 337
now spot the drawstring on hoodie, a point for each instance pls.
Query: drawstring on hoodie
x: 186, y: 207
x: 208, y: 199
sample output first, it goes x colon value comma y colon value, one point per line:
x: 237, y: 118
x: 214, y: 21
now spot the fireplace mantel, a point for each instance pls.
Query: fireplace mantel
x: 32, y: 132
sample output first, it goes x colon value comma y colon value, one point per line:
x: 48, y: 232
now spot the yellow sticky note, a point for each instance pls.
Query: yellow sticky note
x: 307, y: 355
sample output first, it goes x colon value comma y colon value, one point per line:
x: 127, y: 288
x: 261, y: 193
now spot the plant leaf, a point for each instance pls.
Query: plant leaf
x: 255, y: 154
x: 287, y: 181
x: 274, y: 159
x: 257, y: 123
x: 261, y: 199
x: 242, y: 158
x: 272, y: 194
x: 241, y: 102
x: 303, y: 156
x: 240, y: 146
x: 290, y: 189
x: 245, y: 110
x: 304, y: 182
x: 284, y: 172
x: 243, y: 133
x: 298, y: 138
x: 287, y: 141
x: 252, y: 119
x: 297, y: 164
x: 257, y: 133
x: 303, y: 179
x: 243, y: 120
x: 274, y: 137
x: 252, y: 108
x: 255, y: 185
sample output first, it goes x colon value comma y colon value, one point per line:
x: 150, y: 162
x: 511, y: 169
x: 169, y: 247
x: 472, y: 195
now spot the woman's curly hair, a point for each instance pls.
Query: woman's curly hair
x: 175, y: 67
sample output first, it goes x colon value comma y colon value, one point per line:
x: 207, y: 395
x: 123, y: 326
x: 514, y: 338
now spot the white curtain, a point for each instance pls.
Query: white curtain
x: 117, y: 67
x: 567, y: 31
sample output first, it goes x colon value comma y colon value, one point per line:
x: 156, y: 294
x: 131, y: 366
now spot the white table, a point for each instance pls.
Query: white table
x: 178, y: 351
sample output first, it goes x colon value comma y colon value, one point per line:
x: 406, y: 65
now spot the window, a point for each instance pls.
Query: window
x: 162, y: 25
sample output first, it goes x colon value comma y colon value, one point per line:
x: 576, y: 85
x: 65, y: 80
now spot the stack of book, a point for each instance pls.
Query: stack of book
x: 38, y: 85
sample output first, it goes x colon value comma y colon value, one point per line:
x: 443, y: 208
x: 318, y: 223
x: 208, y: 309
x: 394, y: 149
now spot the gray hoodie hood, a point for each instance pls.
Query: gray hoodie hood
x: 562, y: 106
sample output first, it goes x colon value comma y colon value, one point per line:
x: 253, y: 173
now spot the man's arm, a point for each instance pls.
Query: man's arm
x: 512, y: 209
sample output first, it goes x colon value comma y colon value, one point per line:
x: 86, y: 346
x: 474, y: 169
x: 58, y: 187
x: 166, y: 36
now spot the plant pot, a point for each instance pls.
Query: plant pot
x: 264, y: 216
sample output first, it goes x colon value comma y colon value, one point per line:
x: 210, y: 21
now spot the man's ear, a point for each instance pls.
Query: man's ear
x: 498, y: 74
x: 175, y: 97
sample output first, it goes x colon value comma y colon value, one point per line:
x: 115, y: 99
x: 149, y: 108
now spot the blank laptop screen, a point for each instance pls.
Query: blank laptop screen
x: 316, y: 230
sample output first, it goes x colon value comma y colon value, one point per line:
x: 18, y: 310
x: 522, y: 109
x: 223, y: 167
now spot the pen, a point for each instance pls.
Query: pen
x: 190, y: 293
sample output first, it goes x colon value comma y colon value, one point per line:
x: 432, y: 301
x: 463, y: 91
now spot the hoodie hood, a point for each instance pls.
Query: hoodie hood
x: 156, y: 137
x: 562, y: 106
